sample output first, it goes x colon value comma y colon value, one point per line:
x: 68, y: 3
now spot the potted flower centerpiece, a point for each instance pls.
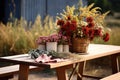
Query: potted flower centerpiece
x: 51, y: 43
x: 41, y: 41
x: 81, y: 25
x: 63, y: 43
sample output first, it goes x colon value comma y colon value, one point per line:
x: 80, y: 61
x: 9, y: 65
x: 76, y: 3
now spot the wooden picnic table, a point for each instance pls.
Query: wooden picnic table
x: 94, y: 51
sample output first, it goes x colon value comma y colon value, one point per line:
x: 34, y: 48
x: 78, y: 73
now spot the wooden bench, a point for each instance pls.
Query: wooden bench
x: 9, y: 71
x: 115, y: 76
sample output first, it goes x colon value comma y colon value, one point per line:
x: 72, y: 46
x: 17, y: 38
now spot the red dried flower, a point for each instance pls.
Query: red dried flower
x: 68, y: 28
x: 60, y: 22
x: 89, y: 19
x: 97, y: 32
x: 106, y: 37
x: 68, y: 33
x: 91, y: 34
x: 66, y: 25
x: 72, y: 27
x: 73, y: 22
x: 91, y: 25
x: 85, y: 30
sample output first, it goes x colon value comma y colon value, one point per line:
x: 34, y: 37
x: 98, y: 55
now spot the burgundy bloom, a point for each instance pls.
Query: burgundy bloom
x: 67, y: 33
x: 85, y: 30
x: 91, y: 38
x: 65, y: 28
x: 91, y: 34
x: 97, y: 32
x: 106, y: 37
x: 89, y: 19
x: 72, y: 27
x: 68, y: 28
x: 91, y: 25
x: 74, y: 23
x: 66, y: 25
x: 60, y: 22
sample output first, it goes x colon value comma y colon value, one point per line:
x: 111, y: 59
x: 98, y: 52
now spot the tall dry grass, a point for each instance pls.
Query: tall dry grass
x: 19, y: 36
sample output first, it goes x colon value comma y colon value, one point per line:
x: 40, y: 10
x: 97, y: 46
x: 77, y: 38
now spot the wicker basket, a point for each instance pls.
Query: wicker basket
x: 80, y: 45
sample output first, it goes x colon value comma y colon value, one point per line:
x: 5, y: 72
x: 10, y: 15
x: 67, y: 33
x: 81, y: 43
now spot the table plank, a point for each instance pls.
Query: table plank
x: 26, y: 60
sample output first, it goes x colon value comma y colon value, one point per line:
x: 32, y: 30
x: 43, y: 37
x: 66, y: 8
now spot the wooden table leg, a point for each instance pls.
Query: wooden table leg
x: 114, y: 63
x: 74, y: 70
x: 23, y: 72
x: 62, y: 73
x: 81, y: 68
